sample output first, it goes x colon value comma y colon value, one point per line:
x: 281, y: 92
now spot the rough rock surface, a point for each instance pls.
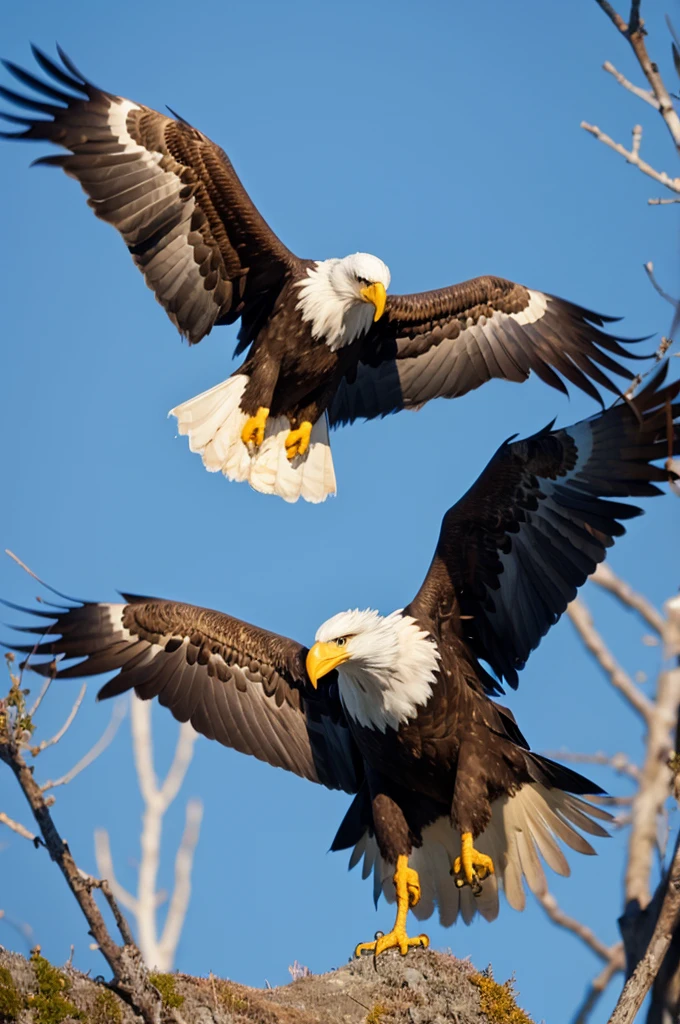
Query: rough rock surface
x: 426, y: 988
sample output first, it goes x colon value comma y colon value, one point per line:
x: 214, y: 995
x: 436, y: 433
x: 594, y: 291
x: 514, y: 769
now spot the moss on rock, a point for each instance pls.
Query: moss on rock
x: 165, y: 983
x: 11, y: 1002
x: 498, y: 1001
x: 106, y: 1009
x: 50, y: 1005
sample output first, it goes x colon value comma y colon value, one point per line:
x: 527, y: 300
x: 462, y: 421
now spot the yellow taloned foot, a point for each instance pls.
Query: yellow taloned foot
x: 254, y: 429
x: 407, y: 884
x: 297, y: 441
x: 472, y: 867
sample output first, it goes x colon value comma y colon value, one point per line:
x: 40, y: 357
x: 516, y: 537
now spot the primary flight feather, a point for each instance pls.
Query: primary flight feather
x: 325, y: 343
x: 449, y: 801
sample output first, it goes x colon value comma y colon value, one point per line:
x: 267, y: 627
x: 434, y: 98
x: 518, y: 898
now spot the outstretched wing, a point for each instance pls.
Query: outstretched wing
x: 235, y: 683
x: 444, y: 343
x: 513, y: 551
x: 173, y: 195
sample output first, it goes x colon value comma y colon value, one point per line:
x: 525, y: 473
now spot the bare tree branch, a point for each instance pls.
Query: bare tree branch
x: 635, y: 33
x: 117, y: 716
x: 638, y: 985
x: 582, y: 931
x: 20, y: 830
x: 649, y: 270
x: 67, y: 724
x: 632, y: 155
x: 41, y: 696
x: 606, y: 578
x: 130, y: 975
x: 620, y: 762
x: 179, y: 903
x: 644, y: 94
x: 598, y: 986
x: 157, y: 797
x: 657, y: 776
x: 620, y: 680
x: 102, y: 852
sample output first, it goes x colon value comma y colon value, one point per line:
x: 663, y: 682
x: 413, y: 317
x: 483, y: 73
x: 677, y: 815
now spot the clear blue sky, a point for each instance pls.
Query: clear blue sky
x: 448, y: 143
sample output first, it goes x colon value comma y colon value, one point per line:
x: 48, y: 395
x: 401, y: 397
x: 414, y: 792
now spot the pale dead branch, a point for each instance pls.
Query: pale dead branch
x: 131, y: 979
x: 41, y: 696
x: 649, y: 270
x: 598, y: 986
x: 632, y: 155
x: 582, y: 931
x: 606, y: 578
x: 617, y: 676
x: 181, y: 894
x: 117, y: 716
x: 638, y: 985
x: 158, y: 952
x: 65, y: 727
x: 657, y: 777
x: 619, y: 762
x: 15, y: 826
x: 644, y: 94
x: 635, y: 33
x: 102, y: 847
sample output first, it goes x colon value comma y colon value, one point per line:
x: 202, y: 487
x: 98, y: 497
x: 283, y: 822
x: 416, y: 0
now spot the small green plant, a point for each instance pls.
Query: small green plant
x: 227, y: 997
x: 50, y: 1005
x: 498, y: 1001
x: 106, y: 1009
x: 376, y: 1015
x: 165, y: 983
x: 11, y: 1002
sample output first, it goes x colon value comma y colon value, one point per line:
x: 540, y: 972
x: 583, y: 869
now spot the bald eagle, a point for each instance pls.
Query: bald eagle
x: 325, y: 344
x: 449, y: 801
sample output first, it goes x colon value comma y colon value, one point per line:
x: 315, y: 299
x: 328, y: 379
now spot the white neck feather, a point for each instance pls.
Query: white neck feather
x: 387, y: 686
x: 330, y: 303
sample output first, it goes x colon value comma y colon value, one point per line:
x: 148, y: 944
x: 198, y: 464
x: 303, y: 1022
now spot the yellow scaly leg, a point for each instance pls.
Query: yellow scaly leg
x: 472, y: 867
x: 297, y: 441
x: 407, y: 884
x: 255, y: 427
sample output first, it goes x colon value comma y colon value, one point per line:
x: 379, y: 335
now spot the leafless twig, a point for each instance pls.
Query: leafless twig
x: 635, y: 33
x: 67, y: 724
x: 130, y: 975
x: 617, y: 676
x: 117, y: 716
x: 582, y: 931
x: 638, y: 985
x: 20, y: 830
x: 620, y: 762
x: 158, y: 951
x: 632, y: 155
x: 606, y: 578
x: 598, y: 986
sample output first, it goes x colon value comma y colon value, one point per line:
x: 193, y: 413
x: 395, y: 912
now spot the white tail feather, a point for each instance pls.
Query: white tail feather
x: 522, y: 827
x: 214, y: 421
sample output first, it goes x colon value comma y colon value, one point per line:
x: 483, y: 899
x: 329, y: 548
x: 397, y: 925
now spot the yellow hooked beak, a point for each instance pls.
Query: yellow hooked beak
x: 376, y: 294
x: 322, y: 659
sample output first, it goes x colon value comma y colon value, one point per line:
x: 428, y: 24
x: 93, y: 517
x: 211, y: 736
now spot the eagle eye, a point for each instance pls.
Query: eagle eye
x: 362, y: 280
x: 340, y: 641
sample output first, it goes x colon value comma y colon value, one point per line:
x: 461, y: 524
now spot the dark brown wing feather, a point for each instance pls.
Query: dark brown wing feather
x: 173, y: 195
x: 513, y: 551
x: 235, y: 683
x: 442, y: 344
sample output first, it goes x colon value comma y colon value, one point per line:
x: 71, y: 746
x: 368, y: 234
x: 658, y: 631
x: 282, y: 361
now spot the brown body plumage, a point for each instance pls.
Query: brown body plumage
x: 315, y: 356
x: 398, y: 710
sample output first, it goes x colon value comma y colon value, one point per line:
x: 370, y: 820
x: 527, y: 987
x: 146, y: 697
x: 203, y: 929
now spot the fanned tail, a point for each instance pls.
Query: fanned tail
x: 524, y: 830
x: 214, y: 421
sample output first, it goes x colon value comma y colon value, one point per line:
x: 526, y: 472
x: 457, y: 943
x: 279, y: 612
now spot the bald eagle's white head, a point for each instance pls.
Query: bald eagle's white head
x: 342, y: 298
x: 386, y: 665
